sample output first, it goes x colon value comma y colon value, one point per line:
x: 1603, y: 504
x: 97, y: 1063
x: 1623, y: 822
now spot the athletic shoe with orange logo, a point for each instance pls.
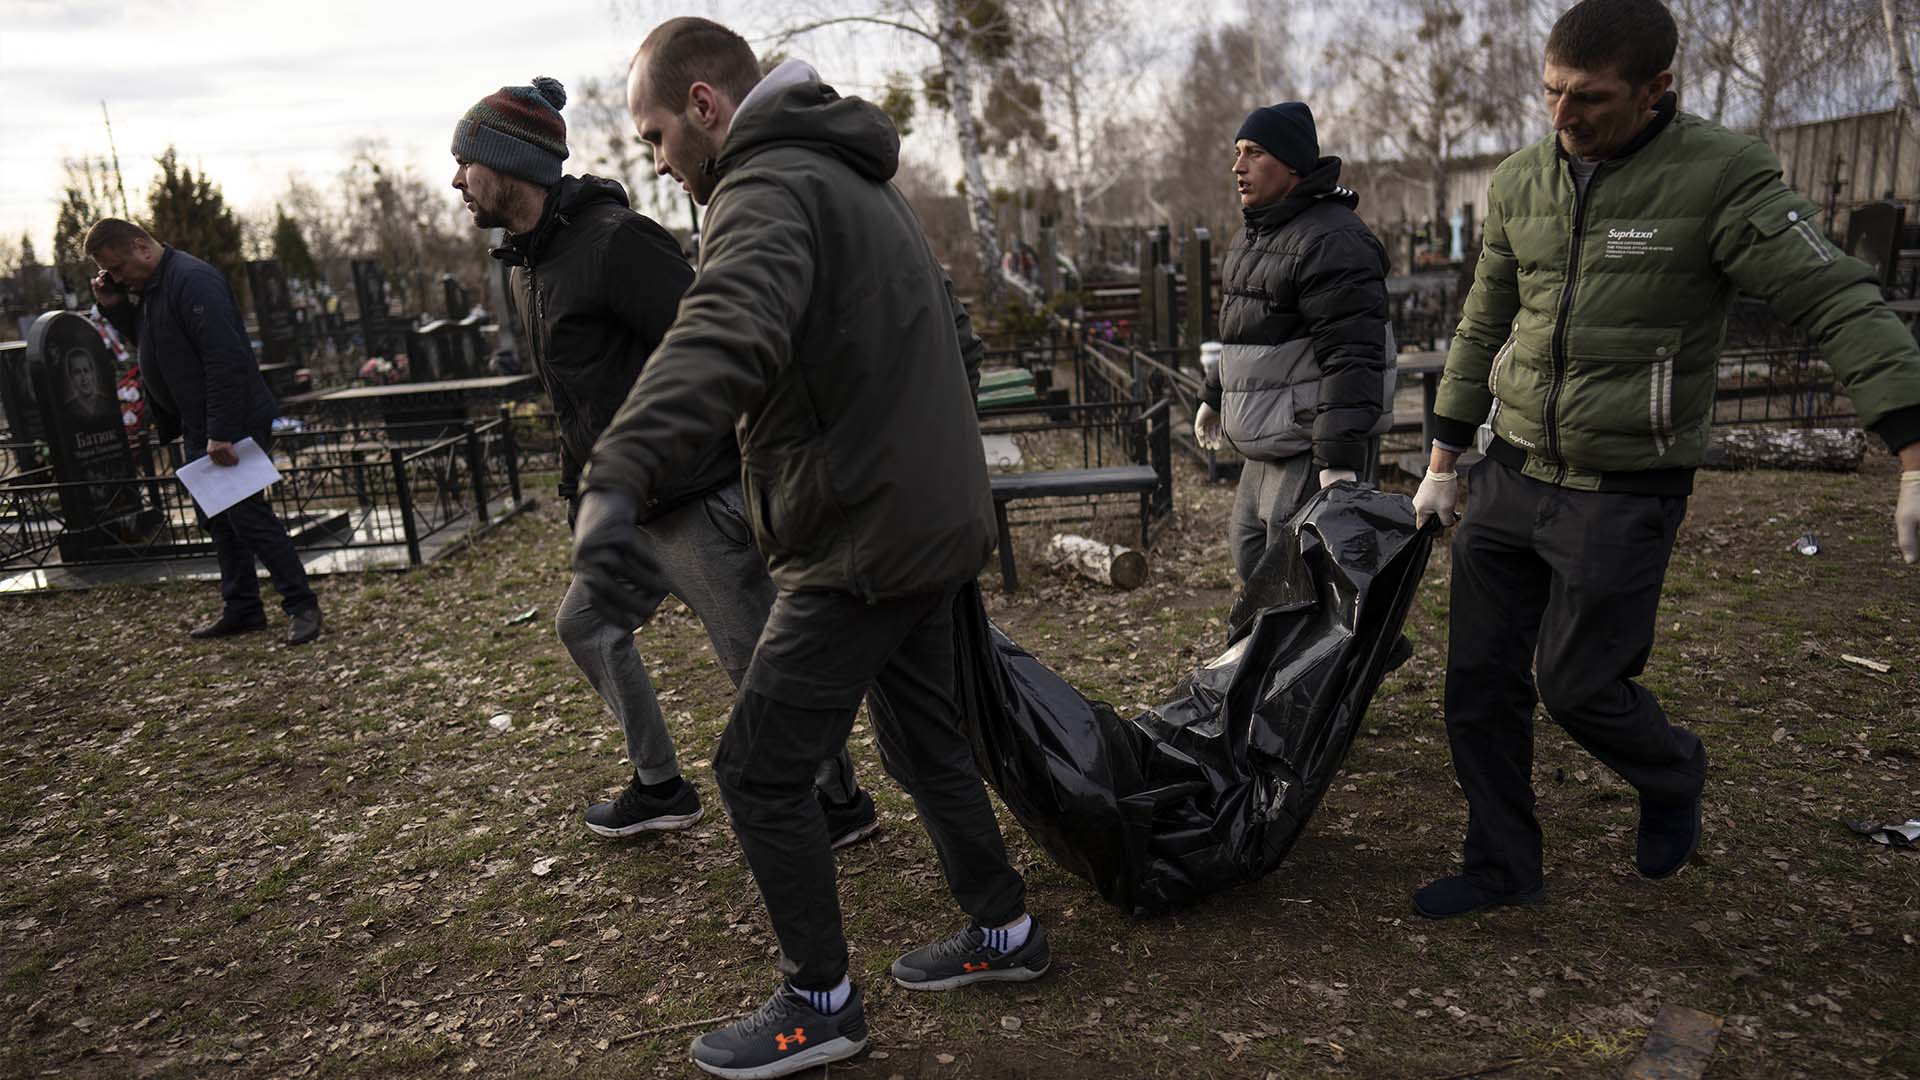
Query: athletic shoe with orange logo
x: 967, y: 957
x: 786, y: 1035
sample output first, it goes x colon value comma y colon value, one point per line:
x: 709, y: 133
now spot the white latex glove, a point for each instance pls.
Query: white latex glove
x: 1330, y: 477
x: 1906, y: 516
x: 1438, y: 497
x: 1206, y: 428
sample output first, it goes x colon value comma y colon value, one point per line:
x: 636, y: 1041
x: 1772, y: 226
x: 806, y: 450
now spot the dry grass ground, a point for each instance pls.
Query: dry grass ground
x: 237, y: 860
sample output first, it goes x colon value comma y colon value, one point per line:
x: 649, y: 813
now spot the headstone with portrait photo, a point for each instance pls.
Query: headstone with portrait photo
x: 73, y: 374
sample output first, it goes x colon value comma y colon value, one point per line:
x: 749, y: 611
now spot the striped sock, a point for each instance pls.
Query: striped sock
x: 1002, y: 942
x: 826, y: 1002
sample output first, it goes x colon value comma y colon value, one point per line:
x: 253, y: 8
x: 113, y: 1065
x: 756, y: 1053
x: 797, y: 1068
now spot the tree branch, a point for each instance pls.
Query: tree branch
x: 789, y: 34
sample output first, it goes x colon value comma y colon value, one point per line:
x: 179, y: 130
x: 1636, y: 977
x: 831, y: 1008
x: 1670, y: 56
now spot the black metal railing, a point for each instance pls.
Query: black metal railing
x: 1092, y: 435
x: 336, y: 492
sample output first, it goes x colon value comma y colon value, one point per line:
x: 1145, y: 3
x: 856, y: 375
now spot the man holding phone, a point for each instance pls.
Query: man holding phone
x: 204, y: 385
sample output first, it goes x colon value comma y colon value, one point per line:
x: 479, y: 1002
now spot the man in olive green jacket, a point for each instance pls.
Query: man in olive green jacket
x: 1589, y: 343
x: 822, y: 331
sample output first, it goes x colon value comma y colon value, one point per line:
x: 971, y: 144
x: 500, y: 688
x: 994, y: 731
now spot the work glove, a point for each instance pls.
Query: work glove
x: 1438, y: 497
x: 608, y: 556
x: 1206, y: 428
x: 1330, y: 477
x: 1906, y: 516
x: 573, y: 511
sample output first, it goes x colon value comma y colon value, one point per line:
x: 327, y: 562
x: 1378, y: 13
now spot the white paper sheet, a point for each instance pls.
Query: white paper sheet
x: 218, y: 487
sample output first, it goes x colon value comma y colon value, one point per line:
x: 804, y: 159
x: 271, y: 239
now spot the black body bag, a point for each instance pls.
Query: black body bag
x: 1212, y: 788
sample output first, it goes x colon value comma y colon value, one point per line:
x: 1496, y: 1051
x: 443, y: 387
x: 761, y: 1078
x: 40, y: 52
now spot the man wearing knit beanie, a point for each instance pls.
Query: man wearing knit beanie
x: 517, y: 130
x: 582, y: 258
x: 1306, y: 360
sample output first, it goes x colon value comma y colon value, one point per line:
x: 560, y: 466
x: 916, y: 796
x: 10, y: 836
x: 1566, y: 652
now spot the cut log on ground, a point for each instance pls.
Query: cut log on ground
x: 1818, y: 449
x: 1107, y: 564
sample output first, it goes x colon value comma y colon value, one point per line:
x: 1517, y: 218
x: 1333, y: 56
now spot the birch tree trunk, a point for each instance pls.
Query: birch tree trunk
x: 1107, y: 564
x: 1903, y: 77
x: 959, y: 76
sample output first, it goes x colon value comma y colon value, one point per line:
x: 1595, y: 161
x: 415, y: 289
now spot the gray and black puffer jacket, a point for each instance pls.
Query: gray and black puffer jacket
x: 1307, y: 351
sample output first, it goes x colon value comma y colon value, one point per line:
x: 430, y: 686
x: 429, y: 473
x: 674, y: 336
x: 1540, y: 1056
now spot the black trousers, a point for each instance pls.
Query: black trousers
x: 1555, y: 591
x: 247, y: 531
x: 819, y: 654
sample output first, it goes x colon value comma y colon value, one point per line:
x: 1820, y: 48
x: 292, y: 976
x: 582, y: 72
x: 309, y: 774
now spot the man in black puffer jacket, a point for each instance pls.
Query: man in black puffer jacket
x: 597, y: 285
x: 1305, y: 379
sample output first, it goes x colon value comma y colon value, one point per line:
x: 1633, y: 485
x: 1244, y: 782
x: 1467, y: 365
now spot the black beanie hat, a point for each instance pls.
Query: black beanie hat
x: 1285, y: 131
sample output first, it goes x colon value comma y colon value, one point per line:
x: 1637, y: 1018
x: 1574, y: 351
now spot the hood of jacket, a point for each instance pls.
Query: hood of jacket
x: 807, y: 112
x: 1320, y: 185
x: 565, y: 200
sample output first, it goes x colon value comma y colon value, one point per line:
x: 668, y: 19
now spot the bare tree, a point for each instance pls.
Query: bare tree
x: 1901, y: 54
x: 416, y: 228
x: 1419, y: 89
x: 1085, y: 53
x: 1773, y: 62
x: 1202, y: 113
x: 955, y: 30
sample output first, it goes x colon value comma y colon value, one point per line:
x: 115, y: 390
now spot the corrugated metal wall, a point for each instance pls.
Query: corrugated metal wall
x: 1852, y: 159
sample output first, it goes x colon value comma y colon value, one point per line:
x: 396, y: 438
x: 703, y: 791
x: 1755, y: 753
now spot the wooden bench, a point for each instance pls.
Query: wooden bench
x: 1145, y: 480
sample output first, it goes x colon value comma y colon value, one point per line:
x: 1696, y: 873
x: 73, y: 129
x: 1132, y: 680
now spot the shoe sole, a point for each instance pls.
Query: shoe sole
x: 1019, y: 974
x: 812, y: 1057
x: 1684, y: 859
x: 857, y: 835
x: 669, y: 823
x: 228, y: 634
x: 1515, y: 900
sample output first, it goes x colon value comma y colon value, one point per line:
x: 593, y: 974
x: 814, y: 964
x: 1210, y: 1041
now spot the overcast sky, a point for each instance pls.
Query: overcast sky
x: 250, y: 91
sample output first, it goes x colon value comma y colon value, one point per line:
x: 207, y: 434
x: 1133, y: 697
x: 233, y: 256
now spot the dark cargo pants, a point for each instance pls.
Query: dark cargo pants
x: 820, y: 652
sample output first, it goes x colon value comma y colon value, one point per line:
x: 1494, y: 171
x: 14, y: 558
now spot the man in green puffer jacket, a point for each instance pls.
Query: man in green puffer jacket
x: 1589, y: 343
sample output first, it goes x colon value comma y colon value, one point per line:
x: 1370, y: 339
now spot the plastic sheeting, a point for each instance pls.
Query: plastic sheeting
x: 1212, y: 788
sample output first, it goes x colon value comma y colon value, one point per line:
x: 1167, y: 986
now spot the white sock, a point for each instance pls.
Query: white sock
x: 1006, y: 941
x: 826, y: 1002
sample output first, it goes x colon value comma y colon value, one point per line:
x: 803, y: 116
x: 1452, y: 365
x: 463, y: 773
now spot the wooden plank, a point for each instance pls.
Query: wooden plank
x: 1680, y: 1046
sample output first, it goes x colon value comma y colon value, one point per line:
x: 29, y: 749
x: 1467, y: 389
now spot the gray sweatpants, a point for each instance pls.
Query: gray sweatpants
x: 1269, y: 493
x: 702, y: 552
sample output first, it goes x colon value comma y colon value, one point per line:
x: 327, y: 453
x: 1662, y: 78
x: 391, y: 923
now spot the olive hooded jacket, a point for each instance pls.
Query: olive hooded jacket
x: 822, y: 328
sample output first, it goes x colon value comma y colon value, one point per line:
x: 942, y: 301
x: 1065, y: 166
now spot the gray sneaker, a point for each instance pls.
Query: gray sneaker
x: 786, y: 1035
x: 965, y: 958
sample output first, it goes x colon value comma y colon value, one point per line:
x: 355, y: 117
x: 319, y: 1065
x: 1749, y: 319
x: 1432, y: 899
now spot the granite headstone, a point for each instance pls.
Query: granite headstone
x: 73, y: 374
x: 273, y: 308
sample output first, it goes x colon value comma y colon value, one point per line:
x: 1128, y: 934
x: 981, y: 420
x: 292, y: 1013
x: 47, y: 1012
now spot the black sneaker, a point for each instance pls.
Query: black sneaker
x: 1450, y: 897
x: 786, y: 1035
x: 849, y: 823
x: 1668, y: 836
x: 964, y: 958
x: 635, y: 811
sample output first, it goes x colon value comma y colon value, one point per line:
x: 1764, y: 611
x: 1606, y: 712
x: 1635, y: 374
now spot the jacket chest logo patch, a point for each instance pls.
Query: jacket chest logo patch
x: 1634, y: 243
